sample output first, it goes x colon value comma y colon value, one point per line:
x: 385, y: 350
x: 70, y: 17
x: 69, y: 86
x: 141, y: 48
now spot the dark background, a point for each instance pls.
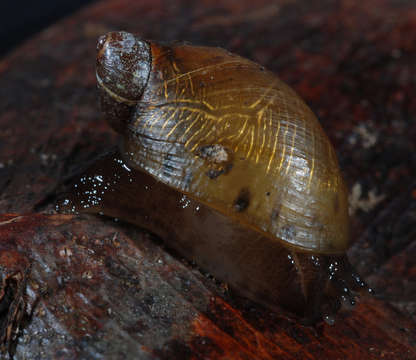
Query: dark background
x: 21, y: 19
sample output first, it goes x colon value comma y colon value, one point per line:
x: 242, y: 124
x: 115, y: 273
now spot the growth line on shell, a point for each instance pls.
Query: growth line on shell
x: 243, y: 141
x: 252, y: 136
x: 265, y: 93
x: 241, y: 136
x: 284, y: 147
x: 241, y: 131
x: 196, y: 133
x: 203, y: 94
x: 175, y: 126
x: 313, y: 161
x: 150, y: 120
x: 168, y: 119
x: 206, y: 136
x: 302, y: 115
x: 274, y: 146
x: 177, y: 86
x: 204, y: 68
x: 191, y: 85
x: 189, y: 127
x: 118, y: 98
x: 270, y: 132
x: 165, y: 86
x: 175, y: 67
x: 133, y: 130
x: 224, y: 132
x: 292, y: 148
x: 184, y: 102
x: 284, y: 116
x: 332, y: 156
x: 260, y: 115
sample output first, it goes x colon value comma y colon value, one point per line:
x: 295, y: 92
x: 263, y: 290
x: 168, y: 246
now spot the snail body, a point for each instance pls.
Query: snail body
x: 266, y: 206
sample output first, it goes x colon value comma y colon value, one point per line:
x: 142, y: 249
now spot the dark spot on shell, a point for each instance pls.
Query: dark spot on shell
x: 268, y: 193
x: 218, y: 159
x: 275, y: 214
x: 242, y: 201
x: 214, y: 173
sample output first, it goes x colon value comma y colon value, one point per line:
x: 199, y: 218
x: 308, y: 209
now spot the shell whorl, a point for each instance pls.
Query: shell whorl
x: 230, y: 134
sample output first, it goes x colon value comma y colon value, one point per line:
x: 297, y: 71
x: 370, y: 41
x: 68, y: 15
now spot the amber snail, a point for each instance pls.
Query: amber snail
x: 229, y: 166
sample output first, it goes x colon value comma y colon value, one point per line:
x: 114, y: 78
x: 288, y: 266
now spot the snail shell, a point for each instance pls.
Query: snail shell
x: 228, y: 133
x: 266, y: 206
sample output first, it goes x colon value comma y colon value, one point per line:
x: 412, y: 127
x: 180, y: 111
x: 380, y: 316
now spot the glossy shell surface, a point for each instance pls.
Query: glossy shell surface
x: 231, y: 135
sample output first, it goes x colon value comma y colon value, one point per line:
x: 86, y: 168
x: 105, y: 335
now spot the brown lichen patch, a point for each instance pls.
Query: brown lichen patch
x: 218, y: 159
x: 215, y: 153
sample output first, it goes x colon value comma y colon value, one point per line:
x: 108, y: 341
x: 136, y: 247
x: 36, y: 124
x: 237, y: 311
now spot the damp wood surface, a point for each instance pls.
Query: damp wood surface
x: 96, y: 288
